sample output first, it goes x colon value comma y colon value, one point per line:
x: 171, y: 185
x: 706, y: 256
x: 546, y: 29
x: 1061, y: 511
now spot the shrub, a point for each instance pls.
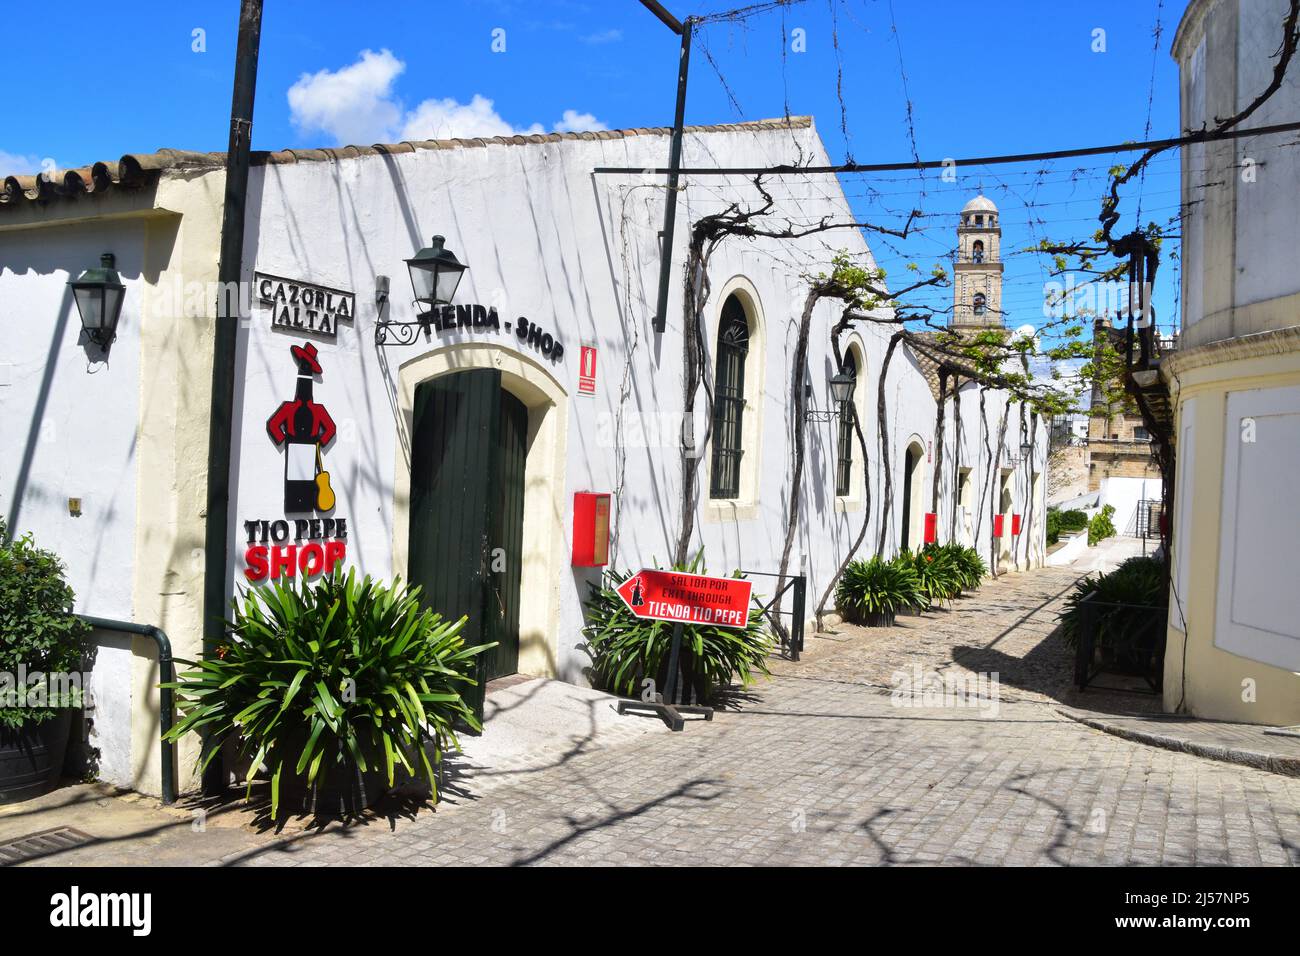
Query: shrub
x: 968, y: 564
x: 625, y: 649
x: 937, y: 573
x: 1140, y: 583
x: 1058, y: 521
x: 1101, y: 527
x: 331, y: 676
x: 37, y: 629
x: 874, y: 591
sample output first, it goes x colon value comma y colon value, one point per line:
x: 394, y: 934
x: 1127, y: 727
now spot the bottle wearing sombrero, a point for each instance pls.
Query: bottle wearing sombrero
x: 304, y: 427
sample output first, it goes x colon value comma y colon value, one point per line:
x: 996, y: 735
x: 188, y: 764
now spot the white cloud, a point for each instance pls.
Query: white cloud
x: 448, y: 119
x: 357, y: 104
x: 604, y: 36
x: 14, y: 164
x: 354, y: 104
x: 575, y: 122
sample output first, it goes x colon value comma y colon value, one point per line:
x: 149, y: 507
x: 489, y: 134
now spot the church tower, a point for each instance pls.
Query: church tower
x: 977, y: 278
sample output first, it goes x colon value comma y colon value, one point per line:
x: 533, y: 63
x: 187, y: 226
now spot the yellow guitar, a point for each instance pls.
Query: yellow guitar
x: 324, y: 493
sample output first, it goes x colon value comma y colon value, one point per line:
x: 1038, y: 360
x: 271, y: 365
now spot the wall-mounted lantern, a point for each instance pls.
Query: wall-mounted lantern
x: 435, y: 273
x: 99, y: 294
x: 842, y: 385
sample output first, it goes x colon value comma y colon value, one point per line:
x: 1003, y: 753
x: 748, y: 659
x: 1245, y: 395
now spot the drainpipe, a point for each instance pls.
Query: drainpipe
x: 166, y: 704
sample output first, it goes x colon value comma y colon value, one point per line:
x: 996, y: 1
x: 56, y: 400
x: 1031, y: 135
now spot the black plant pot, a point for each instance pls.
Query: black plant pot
x: 344, y: 791
x: 341, y: 788
x: 31, y: 757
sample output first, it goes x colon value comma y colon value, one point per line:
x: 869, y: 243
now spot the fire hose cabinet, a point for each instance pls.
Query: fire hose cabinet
x: 931, y: 528
x: 590, y: 529
x: 1015, y: 525
x: 997, y: 526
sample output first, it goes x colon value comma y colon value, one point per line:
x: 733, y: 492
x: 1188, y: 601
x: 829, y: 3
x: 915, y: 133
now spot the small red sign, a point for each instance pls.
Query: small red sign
x: 688, y: 598
x: 587, y: 370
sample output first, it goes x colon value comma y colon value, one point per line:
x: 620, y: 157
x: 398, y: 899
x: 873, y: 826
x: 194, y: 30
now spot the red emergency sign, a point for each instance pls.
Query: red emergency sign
x: 688, y: 598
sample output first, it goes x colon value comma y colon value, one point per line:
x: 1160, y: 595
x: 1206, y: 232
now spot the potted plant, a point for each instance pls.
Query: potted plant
x: 938, y: 576
x: 874, y: 591
x: 968, y: 567
x: 1130, y: 605
x: 626, y: 649
x: 335, y: 687
x: 39, y: 638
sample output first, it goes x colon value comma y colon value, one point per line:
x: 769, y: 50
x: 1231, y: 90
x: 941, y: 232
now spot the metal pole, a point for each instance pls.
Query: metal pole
x: 166, y: 702
x: 674, y: 165
x: 229, y: 273
x: 674, y: 652
x: 797, y: 608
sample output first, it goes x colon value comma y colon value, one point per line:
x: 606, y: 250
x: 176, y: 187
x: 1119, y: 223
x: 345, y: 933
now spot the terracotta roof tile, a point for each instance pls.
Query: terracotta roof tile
x: 135, y: 170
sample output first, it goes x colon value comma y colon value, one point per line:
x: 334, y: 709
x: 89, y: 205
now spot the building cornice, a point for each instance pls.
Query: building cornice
x: 1256, y: 345
x: 1190, y: 29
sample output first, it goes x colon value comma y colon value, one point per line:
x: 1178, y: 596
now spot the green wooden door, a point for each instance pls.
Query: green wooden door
x: 467, y: 451
x: 505, y: 536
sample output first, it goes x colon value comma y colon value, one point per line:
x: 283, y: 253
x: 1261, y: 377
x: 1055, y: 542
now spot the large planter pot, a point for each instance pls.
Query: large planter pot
x: 31, y: 757
x: 340, y: 789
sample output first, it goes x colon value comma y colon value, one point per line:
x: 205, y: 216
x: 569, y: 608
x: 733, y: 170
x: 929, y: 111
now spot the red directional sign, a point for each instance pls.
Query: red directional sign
x: 688, y: 598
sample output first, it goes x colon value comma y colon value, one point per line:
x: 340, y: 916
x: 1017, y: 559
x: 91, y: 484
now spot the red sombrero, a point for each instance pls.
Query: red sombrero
x: 306, y: 356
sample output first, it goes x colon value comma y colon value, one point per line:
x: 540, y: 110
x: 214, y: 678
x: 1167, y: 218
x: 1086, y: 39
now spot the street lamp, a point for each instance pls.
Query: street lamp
x: 99, y: 294
x: 435, y: 273
x: 842, y: 384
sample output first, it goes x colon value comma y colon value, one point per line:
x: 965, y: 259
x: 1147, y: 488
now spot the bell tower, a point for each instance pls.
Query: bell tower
x: 977, y: 272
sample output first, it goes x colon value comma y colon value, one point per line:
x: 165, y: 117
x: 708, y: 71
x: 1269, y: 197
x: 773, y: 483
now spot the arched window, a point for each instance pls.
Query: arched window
x: 729, y: 399
x: 977, y: 251
x: 978, y: 303
x: 844, y: 458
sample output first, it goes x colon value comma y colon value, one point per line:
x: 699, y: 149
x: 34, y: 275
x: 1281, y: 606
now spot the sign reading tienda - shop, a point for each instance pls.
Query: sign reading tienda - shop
x: 299, y: 307
x: 480, y: 318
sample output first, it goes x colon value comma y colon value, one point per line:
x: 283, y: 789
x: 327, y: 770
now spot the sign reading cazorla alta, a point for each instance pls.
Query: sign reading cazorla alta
x: 299, y: 307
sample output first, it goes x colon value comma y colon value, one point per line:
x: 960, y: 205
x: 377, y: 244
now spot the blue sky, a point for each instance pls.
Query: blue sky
x: 1002, y: 76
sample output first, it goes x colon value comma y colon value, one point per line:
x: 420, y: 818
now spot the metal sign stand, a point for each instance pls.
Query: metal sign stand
x: 662, y: 704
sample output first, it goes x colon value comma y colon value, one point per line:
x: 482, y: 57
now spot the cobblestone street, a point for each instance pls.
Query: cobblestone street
x: 817, y: 766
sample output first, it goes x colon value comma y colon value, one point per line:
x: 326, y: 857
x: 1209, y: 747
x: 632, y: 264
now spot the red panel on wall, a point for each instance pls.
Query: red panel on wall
x: 931, y: 528
x: 997, y: 526
x: 1015, y: 524
x: 590, y: 529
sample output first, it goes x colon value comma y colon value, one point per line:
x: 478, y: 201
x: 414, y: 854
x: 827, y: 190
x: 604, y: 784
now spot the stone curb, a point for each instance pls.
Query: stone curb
x: 1256, y: 759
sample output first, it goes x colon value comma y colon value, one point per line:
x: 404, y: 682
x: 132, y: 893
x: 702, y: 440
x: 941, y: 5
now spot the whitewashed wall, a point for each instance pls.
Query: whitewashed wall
x: 547, y: 239
x: 68, y: 422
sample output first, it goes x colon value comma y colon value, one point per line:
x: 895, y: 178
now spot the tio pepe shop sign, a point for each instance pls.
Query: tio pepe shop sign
x: 688, y: 598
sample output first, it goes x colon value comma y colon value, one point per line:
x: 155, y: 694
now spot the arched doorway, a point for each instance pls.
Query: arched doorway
x: 1005, y: 505
x: 469, y: 446
x: 913, y: 522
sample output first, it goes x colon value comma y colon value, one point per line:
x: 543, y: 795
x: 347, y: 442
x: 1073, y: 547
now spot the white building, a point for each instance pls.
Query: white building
x: 560, y: 260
